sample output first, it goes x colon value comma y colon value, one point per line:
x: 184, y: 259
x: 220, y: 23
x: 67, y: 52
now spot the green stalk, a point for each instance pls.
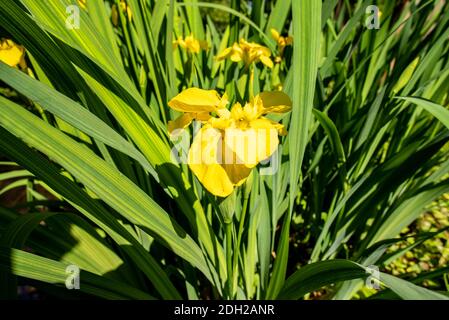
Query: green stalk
x: 129, y: 44
x: 191, y: 71
x: 251, y: 82
x: 234, y: 23
x: 230, y: 288
x: 239, y: 236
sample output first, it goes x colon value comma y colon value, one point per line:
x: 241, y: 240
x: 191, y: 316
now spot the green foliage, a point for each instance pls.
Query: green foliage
x: 429, y: 255
x: 84, y: 130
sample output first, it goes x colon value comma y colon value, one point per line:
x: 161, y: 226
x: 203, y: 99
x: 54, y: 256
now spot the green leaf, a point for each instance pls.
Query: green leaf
x: 72, y: 192
x: 316, y: 275
x: 278, y: 15
x: 31, y: 266
x: 306, y: 53
x: 409, y: 291
x: 70, y: 111
x: 332, y: 133
x: 438, y: 111
x: 109, y: 184
x: 405, y: 76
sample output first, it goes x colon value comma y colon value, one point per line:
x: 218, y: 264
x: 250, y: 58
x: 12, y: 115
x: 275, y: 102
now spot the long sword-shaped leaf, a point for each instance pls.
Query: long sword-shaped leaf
x: 110, y: 185
x: 45, y: 170
x: 70, y: 111
x: 28, y: 265
x: 306, y: 32
x: 332, y: 133
x: 48, y: 15
x: 88, y: 250
x: 409, y: 291
x: 319, y: 274
x: 438, y: 111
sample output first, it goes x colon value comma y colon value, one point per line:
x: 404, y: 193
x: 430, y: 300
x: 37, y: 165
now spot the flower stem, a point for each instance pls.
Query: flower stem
x: 251, y: 83
x: 239, y: 234
x: 190, y: 65
x: 229, y: 259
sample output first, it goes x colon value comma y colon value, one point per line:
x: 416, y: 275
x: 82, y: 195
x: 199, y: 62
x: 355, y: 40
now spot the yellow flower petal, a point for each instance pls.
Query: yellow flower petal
x: 236, y: 54
x: 223, y: 113
x: 186, y: 119
x: 274, y: 34
x: 203, y: 161
x: 267, y: 139
x: 11, y: 53
x: 202, y: 116
x: 220, y: 123
x: 224, y: 54
x: 237, y: 111
x: 181, y: 122
x: 248, y: 52
x: 236, y: 57
x: 279, y: 127
x: 253, y: 110
x: 182, y: 43
x: 237, y: 173
x: 266, y: 61
x: 275, y: 102
x: 223, y: 103
x: 192, y: 44
x: 264, y: 51
x: 126, y: 9
x: 129, y: 13
x: 252, y: 145
x: 114, y: 15
x: 194, y: 47
x: 196, y: 100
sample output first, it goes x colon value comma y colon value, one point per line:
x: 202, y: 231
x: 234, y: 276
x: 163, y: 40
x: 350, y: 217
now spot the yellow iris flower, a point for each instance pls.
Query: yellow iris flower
x: 230, y: 142
x: 248, y: 52
x: 12, y: 54
x: 281, y: 41
x: 190, y: 44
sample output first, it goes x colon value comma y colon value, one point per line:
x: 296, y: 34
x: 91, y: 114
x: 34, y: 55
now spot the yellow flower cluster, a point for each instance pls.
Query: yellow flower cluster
x: 230, y: 142
x: 282, y: 42
x: 190, y: 44
x: 248, y: 52
x: 12, y: 54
